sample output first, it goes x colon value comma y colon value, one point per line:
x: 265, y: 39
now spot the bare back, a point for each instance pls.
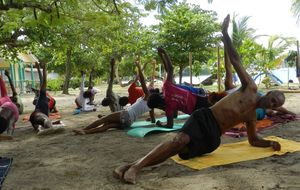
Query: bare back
x: 236, y: 108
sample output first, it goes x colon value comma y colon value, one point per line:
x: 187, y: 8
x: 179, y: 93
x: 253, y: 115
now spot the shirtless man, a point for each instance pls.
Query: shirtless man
x: 201, y: 132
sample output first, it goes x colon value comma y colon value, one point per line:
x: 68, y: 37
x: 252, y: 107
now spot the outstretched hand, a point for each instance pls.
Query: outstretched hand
x: 275, y: 145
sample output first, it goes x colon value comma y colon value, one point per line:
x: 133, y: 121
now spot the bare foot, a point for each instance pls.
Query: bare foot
x: 225, y: 24
x: 130, y: 175
x: 78, y: 131
x: 119, y: 171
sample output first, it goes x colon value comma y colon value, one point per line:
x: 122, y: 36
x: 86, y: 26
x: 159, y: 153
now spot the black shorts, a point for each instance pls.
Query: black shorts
x: 204, y: 133
x: 202, y: 102
x: 42, y: 103
x: 37, y: 118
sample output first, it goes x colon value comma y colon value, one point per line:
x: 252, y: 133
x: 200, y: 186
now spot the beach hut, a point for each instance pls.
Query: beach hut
x: 22, y: 72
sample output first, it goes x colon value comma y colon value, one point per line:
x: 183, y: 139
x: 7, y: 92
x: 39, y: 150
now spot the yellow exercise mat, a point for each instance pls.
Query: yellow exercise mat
x: 238, y: 152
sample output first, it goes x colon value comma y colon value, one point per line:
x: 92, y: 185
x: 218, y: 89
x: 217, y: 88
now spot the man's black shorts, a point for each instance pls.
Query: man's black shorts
x: 204, y: 133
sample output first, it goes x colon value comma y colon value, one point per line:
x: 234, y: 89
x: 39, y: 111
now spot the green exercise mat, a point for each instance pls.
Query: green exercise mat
x: 143, y: 131
x: 162, y: 119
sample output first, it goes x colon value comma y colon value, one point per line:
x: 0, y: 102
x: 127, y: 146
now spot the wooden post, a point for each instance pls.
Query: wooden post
x: 191, y: 72
x: 298, y: 63
x: 218, y: 71
x: 32, y: 76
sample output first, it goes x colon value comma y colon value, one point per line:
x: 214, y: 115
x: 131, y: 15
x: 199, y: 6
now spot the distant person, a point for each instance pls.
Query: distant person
x: 83, y: 100
x: 174, y: 98
x: 202, y: 131
x: 124, y: 118
x: 51, y: 100
x: 39, y: 118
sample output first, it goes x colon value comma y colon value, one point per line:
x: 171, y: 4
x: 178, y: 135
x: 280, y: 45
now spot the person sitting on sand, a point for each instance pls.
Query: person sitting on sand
x: 114, y: 101
x: 9, y: 113
x: 39, y: 118
x: 123, y: 118
x: 84, y: 98
x: 15, y: 97
x: 202, y: 131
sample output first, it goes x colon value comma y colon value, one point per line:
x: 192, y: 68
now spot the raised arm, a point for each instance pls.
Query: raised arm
x: 142, y: 80
x: 234, y: 57
x: 12, y: 86
x: 82, y: 83
x: 167, y: 63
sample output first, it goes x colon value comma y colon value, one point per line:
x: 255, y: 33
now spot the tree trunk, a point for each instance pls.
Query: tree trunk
x: 68, y: 72
x: 180, y: 74
x: 191, y: 72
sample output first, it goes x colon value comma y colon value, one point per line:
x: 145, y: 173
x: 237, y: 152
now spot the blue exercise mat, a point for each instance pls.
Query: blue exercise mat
x: 5, y: 164
x: 143, y: 131
x: 162, y: 119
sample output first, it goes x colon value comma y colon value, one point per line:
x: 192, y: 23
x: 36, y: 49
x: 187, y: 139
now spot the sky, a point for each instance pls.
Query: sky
x: 268, y: 17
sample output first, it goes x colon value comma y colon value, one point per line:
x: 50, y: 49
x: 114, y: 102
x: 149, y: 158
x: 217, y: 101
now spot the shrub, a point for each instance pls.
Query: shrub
x: 54, y: 84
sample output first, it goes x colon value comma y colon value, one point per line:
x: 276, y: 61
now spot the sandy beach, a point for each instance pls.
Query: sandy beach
x: 69, y: 162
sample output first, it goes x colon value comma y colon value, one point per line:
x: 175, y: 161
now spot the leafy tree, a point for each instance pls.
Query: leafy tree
x: 295, y: 8
x: 184, y: 29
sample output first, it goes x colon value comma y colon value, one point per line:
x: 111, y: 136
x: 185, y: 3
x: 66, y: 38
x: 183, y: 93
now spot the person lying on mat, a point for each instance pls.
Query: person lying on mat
x: 51, y: 100
x: 174, y: 98
x: 114, y: 101
x: 15, y: 97
x: 9, y: 113
x: 123, y: 118
x: 85, y: 97
x: 39, y: 118
x: 202, y: 131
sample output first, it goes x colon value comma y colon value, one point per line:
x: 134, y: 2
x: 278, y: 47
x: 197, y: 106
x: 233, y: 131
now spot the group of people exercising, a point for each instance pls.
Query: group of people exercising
x: 211, y: 114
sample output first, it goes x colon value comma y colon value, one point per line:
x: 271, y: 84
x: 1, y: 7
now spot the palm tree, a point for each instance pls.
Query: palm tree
x: 241, y: 31
x: 295, y: 8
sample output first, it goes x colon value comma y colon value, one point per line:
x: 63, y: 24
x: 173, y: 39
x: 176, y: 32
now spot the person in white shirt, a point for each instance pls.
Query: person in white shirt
x: 123, y: 118
x: 83, y: 99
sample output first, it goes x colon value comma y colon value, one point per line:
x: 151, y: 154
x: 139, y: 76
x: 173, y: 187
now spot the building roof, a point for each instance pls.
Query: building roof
x: 27, y: 58
x: 3, y: 63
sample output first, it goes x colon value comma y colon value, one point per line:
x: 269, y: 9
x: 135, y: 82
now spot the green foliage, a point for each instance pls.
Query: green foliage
x: 185, y: 29
x: 54, y: 84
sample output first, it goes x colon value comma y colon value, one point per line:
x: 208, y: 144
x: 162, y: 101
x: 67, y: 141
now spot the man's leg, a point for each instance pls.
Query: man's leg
x: 234, y: 58
x: 156, y: 156
x: 100, y: 129
x: 228, y: 83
